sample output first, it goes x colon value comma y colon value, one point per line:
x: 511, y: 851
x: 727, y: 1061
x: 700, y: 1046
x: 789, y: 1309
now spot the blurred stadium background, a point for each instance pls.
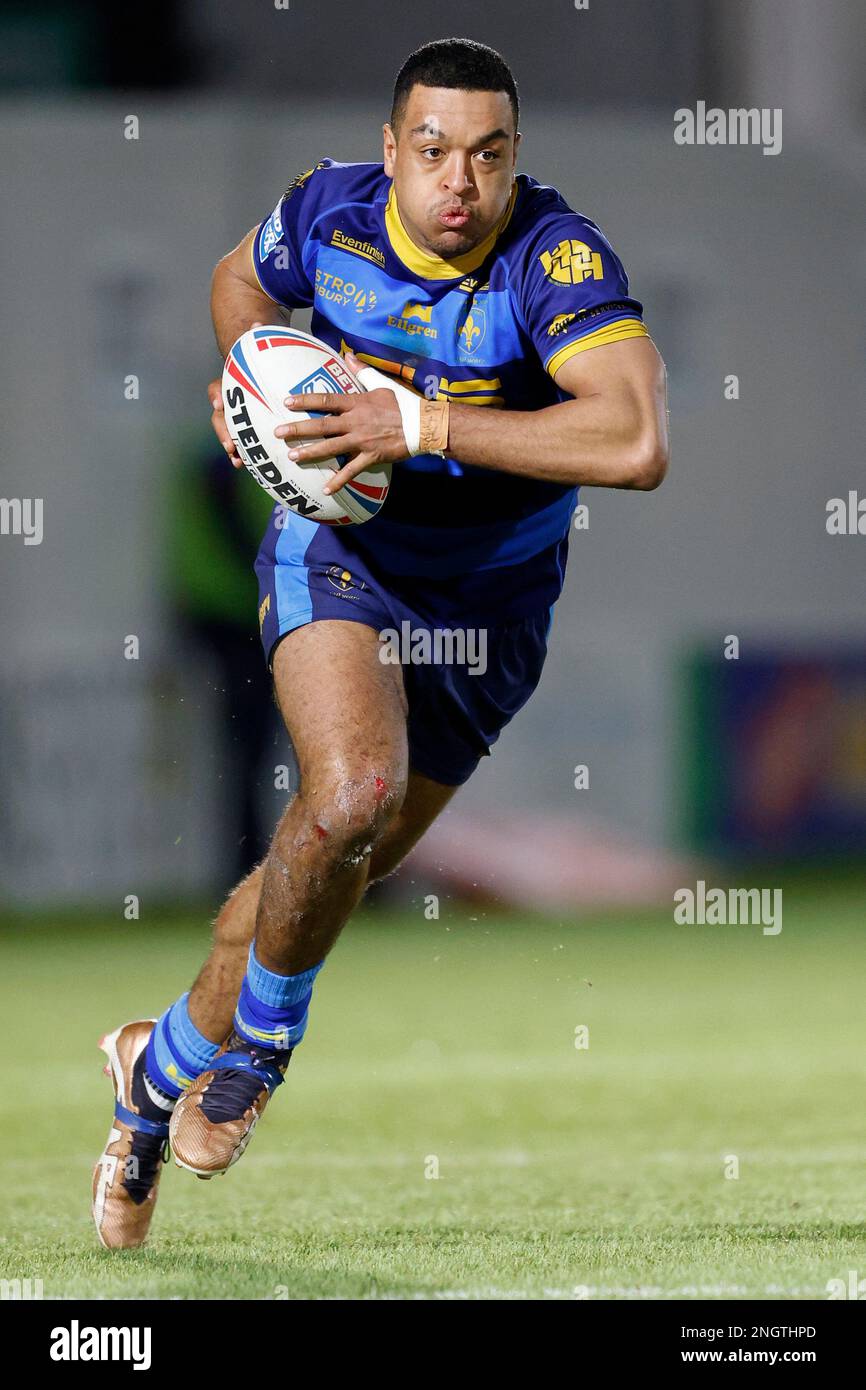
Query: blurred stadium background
x: 155, y: 776
x: 114, y: 771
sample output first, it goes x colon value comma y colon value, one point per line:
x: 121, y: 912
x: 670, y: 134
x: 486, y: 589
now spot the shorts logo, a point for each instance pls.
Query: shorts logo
x: 343, y: 580
x: 572, y: 262
x: 264, y: 609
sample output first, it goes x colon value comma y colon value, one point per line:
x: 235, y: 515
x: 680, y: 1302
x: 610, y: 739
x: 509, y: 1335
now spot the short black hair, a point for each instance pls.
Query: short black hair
x: 461, y: 63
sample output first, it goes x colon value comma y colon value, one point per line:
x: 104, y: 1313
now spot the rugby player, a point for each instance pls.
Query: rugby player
x: 514, y: 366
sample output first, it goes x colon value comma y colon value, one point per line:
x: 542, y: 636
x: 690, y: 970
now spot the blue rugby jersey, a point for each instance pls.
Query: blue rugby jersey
x: 489, y: 328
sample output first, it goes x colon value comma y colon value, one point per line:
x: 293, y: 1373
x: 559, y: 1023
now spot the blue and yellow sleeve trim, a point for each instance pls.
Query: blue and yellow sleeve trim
x: 614, y: 332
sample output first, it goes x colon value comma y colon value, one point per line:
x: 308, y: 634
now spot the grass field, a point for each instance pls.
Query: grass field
x: 453, y: 1041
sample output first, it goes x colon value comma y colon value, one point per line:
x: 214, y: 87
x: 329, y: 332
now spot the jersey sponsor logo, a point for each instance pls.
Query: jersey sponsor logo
x: 357, y: 247
x: 405, y: 320
x: 338, y: 290
x: 572, y: 262
x: 271, y: 233
x: 559, y: 323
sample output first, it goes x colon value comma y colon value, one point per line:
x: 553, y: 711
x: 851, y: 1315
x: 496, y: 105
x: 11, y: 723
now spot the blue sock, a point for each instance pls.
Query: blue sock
x: 272, y: 1009
x: 177, y: 1052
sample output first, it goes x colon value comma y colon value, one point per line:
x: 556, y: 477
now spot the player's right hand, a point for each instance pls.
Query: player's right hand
x: 218, y: 421
x: 218, y: 418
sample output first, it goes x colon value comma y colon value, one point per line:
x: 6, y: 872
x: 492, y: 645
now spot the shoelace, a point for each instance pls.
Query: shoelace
x: 148, y: 1151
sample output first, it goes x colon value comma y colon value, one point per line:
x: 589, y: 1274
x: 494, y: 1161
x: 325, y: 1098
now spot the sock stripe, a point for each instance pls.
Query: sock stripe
x: 272, y: 1010
x: 279, y: 991
x: 177, y: 1052
x: 191, y: 1045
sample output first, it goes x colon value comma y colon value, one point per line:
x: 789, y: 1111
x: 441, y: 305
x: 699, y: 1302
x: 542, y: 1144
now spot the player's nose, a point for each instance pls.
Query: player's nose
x: 458, y: 175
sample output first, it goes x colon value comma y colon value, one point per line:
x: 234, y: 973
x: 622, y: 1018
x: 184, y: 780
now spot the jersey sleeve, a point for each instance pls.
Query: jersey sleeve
x: 574, y: 292
x: 281, y: 244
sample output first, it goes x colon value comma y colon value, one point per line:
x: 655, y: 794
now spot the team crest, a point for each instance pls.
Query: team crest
x: 472, y: 330
x: 343, y: 580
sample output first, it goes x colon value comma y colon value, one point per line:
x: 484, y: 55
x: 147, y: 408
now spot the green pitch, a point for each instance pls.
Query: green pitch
x: 449, y: 1047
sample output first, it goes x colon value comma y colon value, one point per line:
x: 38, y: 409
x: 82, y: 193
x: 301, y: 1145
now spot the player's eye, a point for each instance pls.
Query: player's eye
x: 494, y: 154
x: 432, y: 149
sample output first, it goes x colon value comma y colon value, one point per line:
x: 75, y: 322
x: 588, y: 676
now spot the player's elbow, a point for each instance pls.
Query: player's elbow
x: 647, y: 463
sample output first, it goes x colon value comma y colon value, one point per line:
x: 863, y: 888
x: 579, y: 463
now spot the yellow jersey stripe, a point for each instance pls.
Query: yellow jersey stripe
x: 475, y: 385
x: 431, y: 267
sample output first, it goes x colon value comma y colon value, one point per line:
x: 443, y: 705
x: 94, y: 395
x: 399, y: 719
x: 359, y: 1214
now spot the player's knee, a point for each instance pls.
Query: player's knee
x: 349, y: 813
x: 386, y: 860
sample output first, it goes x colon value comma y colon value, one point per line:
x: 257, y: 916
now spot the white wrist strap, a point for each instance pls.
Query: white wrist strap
x: 409, y: 405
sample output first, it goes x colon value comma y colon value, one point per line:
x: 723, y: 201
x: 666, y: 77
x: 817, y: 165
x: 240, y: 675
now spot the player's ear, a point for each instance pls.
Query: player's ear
x: 517, y: 139
x: 389, y: 143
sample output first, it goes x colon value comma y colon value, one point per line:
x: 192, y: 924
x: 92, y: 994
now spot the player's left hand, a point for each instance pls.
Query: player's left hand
x: 367, y: 426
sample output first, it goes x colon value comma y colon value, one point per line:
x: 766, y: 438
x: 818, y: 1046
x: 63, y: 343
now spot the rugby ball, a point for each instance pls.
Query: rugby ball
x: 263, y: 367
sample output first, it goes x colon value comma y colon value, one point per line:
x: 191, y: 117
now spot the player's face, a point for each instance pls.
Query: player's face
x: 452, y: 165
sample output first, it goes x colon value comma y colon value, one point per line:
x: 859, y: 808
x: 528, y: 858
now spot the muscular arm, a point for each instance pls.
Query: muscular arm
x: 613, y: 434
x: 237, y: 300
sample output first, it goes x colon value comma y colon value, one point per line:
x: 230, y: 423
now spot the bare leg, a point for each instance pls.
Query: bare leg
x: 214, y: 994
x: 346, y: 714
x: 213, y: 997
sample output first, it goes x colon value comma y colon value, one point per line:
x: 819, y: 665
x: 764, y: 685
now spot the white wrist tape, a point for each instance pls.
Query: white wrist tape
x: 409, y: 405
